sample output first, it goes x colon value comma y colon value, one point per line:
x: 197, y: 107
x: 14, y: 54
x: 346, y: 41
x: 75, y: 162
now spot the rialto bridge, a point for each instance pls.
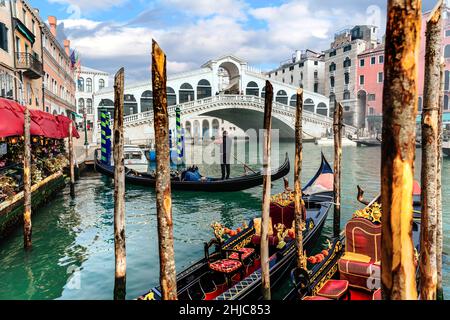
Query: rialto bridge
x: 225, y: 90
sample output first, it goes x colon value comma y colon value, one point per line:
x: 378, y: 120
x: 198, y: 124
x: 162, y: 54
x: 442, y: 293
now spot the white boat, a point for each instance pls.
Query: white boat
x: 135, y: 158
x: 330, y: 142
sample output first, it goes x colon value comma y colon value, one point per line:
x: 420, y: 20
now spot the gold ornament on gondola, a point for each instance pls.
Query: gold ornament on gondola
x: 283, y: 199
x: 372, y: 213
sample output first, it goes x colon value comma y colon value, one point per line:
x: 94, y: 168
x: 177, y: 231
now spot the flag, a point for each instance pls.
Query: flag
x: 73, y: 60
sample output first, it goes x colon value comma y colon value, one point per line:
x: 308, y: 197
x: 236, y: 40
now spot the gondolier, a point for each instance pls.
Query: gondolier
x: 225, y: 153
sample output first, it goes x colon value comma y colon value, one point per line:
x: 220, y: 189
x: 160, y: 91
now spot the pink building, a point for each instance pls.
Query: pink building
x: 371, y: 75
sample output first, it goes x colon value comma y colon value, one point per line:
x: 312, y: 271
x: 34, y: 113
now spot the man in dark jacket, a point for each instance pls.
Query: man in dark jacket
x: 225, y: 153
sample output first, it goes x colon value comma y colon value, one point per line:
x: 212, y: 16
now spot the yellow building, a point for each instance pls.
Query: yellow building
x: 28, y: 53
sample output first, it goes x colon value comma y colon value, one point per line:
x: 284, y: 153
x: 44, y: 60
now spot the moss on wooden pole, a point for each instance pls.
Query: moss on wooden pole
x: 299, y: 218
x: 119, y: 189
x: 337, y: 129
x: 265, y: 268
x: 27, y: 227
x: 430, y: 123
x: 168, y: 280
x: 400, y: 98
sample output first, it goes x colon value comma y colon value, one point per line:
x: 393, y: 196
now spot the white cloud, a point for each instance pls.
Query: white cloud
x: 204, y: 8
x: 76, y: 7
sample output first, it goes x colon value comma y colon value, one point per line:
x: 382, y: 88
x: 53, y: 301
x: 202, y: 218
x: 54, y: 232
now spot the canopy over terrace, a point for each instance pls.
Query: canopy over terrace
x: 12, y: 119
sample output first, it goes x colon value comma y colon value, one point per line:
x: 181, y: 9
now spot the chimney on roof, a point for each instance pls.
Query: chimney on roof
x: 67, y: 46
x: 52, y: 22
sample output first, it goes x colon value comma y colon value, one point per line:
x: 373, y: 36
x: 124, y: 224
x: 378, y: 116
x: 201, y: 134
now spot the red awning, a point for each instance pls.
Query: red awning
x: 12, y: 120
x: 48, y: 123
x: 64, y: 123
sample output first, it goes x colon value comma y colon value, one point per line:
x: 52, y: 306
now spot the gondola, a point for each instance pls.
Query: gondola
x: 210, y: 185
x: 232, y: 271
x: 350, y: 269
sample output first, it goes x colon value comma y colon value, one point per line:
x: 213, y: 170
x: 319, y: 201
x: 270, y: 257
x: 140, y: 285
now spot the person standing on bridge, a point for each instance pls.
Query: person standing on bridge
x: 225, y: 153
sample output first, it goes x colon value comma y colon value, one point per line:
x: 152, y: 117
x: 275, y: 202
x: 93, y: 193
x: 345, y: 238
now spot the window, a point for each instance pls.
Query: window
x: 447, y: 81
x: 291, y: 68
x: 420, y: 104
x: 81, y: 106
x: 24, y: 16
x: 204, y: 89
x: 446, y: 102
x: 348, y: 48
x: 89, y: 85
x: 333, y: 53
x: 33, y: 26
x: 332, y: 82
x: 276, y: 73
x: 347, y: 63
x: 293, y: 102
x: 380, y: 77
x: 361, y: 80
x: 146, y: 101
x: 186, y: 93
x: 373, y: 60
x: 171, y: 97
x: 346, y: 95
x: 332, y: 67
x: 347, y: 78
x: 316, y: 74
x: 362, y: 62
x: 89, y: 106
x: 81, y: 84
x: 252, y: 89
x: 316, y: 87
x: 284, y: 70
x: 316, y: 63
x: 3, y: 37
x: 292, y: 79
x: 447, y: 51
x: 282, y: 97
x: 447, y: 33
x: 381, y: 59
x: 101, y: 84
x: 301, y: 64
x: 372, y: 97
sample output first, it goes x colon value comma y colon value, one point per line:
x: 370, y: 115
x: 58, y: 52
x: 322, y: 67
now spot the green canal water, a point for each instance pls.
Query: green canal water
x: 73, y: 245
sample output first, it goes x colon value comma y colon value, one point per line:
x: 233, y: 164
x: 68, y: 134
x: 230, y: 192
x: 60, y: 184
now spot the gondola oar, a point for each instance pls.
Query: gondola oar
x: 245, y: 166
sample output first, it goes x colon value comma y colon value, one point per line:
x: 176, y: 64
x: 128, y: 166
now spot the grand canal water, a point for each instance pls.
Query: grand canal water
x: 73, y: 244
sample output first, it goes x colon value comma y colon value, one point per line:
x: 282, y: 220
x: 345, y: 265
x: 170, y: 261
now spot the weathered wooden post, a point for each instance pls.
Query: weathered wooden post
x: 439, y: 234
x: 337, y: 130
x: 119, y: 189
x: 71, y: 161
x: 398, y: 148
x: 27, y: 228
x: 267, y: 180
x: 168, y: 280
x: 430, y: 123
x: 299, y: 222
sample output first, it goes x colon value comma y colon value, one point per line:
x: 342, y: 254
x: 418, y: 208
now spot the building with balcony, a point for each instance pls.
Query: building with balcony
x: 90, y: 81
x: 341, y: 70
x: 27, y: 44
x: 7, y: 67
x: 59, y: 76
x: 306, y: 69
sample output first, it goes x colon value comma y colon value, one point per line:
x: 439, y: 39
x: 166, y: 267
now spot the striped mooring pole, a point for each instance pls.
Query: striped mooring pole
x: 180, y: 149
x: 106, y: 138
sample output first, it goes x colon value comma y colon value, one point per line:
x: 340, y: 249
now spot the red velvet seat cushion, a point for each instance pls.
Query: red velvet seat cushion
x: 283, y: 215
x: 225, y: 265
x: 360, y: 274
x: 377, y: 295
x: 316, y: 298
x: 247, y: 252
x: 334, y: 289
x: 273, y: 241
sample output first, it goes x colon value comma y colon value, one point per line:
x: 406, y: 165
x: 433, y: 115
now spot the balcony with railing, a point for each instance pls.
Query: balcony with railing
x: 30, y: 65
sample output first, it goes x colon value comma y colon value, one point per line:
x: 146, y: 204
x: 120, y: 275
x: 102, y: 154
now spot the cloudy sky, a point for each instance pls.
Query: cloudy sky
x: 110, y: 34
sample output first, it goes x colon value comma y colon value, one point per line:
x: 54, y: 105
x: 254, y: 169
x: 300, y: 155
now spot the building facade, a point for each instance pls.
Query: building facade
x: 89, y: 82
x: 27, y: 45
x: 341, y: 65
x: 59, y: 76
x: 306, y: 70
x: 7, y: 64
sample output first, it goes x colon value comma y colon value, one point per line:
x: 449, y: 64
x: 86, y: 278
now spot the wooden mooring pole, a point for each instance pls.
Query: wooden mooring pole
x: 71, y: 161
x: 337, y: 130
x: 119, y: 189
x: 27, y: 228
x: 398, y: 271
x: 299, y: 219
x: 267, y: 180
x: 430, y: 124
x: 168, y: 280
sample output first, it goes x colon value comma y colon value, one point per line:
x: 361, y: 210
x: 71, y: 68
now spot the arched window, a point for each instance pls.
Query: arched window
x: 332, y: 82
x: 293, y: 102
x: 347, y: 62
x: 322, y: 109
x: 215, y: 127
x: 204, y: 89
x: 205, y: 129
x: 447, y: 81
x: 101, y: 84
x: 147, y: 101
x: 332, y: 101
x: 89, y: 85
x: 89, y: 106
x: 447, y: 51
x: 81, y: 105
x: 346, y: 95
x: 263, y: 92
x: 171, y: 97
x: 309, y: 105
x: 186, y: 93
x: 332, y: 67
x: 106, y: 105
x: 80, y: 84
x: 446, y: 102
x: 347, y: 78
x: 252, y: 89
x: 130, y: 105
x: 282, y: 97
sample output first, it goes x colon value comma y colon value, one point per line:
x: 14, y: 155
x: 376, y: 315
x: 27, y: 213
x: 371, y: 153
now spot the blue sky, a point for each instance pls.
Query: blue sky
x: 110, y: 34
